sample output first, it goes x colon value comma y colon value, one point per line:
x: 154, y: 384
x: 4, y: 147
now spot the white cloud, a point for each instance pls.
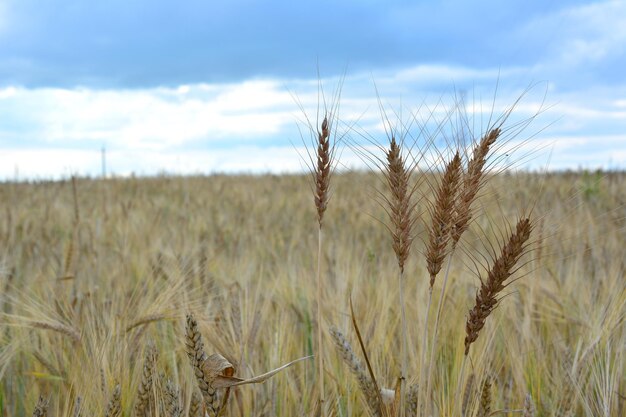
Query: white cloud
x: 52, y: 132
x: 150, y: 119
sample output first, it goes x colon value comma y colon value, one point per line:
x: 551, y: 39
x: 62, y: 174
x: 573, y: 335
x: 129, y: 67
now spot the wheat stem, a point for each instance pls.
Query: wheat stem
x: 457, y: 391
x: 422, y: 364
x: 320, y: 350
x: 433, y: 346
x: 404, y: 345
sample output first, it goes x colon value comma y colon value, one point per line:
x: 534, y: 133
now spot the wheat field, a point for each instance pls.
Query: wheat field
x: 100, y: 279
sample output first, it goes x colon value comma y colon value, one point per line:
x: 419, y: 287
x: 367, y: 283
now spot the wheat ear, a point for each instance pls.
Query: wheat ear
x: 472, y: 182
x: 367, y: 386
x: 197, y: 356
x: 196, y: 409
x: 172, y: 400
x: 145, y: 385
x: 484, y: 406
x: 114, y: 406
x: 442, y: 215
x: 503, y: 267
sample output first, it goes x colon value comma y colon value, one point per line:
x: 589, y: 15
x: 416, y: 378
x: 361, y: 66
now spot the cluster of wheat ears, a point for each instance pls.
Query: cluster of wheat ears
x: 450, y: 212
x: 427, y: 195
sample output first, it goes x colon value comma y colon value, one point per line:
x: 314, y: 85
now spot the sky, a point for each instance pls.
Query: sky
x: 197, y: 87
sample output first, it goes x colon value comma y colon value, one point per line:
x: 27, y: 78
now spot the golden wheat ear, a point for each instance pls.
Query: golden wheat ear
x: 144, y: 390
x: 172, y: 400
x: 197, y: 356
x: 484, y: 406
x: 501, y: 270
x: 196, y: 408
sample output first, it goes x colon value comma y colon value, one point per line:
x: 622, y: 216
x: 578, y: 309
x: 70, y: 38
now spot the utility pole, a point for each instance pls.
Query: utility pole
x: 104, y: 162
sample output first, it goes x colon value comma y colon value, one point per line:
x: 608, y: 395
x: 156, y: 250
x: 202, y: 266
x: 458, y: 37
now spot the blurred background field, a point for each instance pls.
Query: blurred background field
x: 91, y: 270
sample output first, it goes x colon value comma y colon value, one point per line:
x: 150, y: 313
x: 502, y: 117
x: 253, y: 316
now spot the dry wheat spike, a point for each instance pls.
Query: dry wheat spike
x: 145, y: 385
x: 442, y: 215
x: 472, y: 182
x: 196, y: 408
x: 484, y: 406
x: 503, y: 267
x: 172, y: 400
x: 322, y: 170
x: 197, y: 357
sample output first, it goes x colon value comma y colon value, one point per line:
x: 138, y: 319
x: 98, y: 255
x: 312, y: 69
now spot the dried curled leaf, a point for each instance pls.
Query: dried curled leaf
x: 221, y: 372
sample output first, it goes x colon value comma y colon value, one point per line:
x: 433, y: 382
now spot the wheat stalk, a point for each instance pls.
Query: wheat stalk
x: 469, y: 386
x: 78, y: 407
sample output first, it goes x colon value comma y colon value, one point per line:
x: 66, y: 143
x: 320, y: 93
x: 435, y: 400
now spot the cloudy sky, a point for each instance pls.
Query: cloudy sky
x: 204, y: 86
